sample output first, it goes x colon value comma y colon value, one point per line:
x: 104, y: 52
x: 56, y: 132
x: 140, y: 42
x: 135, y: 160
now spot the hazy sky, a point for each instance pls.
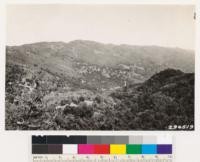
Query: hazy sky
x: 119, y: 24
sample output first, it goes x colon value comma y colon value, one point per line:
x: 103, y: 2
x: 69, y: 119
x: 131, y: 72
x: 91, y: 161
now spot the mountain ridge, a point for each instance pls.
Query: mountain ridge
x: 114, y: 64
x: 90, y: 41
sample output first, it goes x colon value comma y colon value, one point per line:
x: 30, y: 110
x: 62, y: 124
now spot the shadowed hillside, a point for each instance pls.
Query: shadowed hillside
x: 167, y: 98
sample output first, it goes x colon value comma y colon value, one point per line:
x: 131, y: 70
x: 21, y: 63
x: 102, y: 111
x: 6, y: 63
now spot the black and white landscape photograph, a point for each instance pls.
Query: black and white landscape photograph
x: 100, y: 67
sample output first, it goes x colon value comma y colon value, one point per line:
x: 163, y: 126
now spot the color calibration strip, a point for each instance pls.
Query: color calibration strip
x: 102, y: 145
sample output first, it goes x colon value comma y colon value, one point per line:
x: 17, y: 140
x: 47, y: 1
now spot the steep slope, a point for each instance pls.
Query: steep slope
x: 165, y: 100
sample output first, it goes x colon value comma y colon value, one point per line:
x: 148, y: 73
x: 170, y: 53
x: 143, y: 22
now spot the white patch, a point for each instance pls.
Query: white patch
x: 61, y: 107
x: 88, y: 103
x: 73, y: 105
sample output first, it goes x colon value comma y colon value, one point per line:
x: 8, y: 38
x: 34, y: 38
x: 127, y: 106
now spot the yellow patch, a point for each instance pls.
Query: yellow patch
x: 117, y: 149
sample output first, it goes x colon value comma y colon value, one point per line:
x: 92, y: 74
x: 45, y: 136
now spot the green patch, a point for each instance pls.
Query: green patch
x: 133, y: 149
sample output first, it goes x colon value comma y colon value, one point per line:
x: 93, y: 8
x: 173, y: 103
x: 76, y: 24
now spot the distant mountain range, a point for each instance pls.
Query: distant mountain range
x: 98, y: 65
